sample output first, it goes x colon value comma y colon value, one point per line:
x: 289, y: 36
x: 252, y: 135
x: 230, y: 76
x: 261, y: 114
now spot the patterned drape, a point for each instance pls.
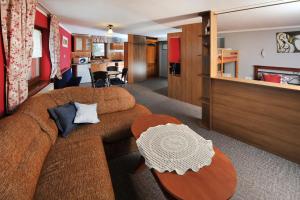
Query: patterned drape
x: 54, y: 47
x: 17, y: 21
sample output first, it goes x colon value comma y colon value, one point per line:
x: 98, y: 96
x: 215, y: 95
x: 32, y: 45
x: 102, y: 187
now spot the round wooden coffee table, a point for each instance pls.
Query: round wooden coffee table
x: 215, y: 182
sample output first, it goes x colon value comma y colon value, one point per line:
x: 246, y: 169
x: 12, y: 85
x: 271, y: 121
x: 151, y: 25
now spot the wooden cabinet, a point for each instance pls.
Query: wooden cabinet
x: 188, y: 85
x: 116, y: 46
x: 82, y: 43
x: 192, y: 62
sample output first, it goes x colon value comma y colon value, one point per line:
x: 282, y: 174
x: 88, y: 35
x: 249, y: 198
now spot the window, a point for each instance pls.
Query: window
x: 34, y: 82
x: 36, y: 55
x: 37, y: 44
x: 99, y: 50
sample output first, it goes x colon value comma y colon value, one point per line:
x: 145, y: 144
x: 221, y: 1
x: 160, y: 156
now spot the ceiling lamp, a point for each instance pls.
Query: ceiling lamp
x: 110, y: 32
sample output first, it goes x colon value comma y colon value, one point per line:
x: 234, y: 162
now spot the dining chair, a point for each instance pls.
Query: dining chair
x: 112, y: 68
x: 120, y: 81
x: 99, y: 79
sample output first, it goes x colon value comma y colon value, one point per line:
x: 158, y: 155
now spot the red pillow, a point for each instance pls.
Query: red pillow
x: 272, y: 78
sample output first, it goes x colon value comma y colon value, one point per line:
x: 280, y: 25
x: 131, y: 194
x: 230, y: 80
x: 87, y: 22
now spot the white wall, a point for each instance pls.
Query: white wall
x: 250, y: 45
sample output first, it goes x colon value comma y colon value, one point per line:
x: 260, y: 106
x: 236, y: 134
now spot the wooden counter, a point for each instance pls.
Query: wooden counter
x: 266, y: 115
x: 261, y: 83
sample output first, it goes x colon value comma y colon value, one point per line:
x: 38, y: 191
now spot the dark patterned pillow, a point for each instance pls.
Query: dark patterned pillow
x: 64, y: 117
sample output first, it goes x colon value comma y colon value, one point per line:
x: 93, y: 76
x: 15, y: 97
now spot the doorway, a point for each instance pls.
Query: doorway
x: 163, y: 59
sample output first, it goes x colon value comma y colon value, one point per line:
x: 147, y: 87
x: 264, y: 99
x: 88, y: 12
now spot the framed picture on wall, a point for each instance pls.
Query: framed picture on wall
x: 65, y: 42
x: 288, y: 42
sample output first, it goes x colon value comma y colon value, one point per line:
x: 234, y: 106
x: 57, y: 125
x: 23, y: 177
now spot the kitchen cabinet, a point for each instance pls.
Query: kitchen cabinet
x: 116, y: 46
x: 82, y: 43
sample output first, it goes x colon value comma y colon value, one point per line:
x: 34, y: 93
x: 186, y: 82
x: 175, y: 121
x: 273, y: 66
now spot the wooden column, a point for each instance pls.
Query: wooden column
x: 187, y: 86
x: 209, y: 64
x: 136, y: 58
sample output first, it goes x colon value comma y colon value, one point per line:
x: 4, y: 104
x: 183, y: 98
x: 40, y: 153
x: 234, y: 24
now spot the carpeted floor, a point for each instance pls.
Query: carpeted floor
x: 261, y: 175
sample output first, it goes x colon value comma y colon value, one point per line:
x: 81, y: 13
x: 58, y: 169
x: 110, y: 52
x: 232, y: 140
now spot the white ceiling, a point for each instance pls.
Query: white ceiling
x: 157, y: 17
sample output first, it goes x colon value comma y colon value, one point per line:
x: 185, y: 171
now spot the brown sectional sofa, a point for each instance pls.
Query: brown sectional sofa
x: 36, y: 163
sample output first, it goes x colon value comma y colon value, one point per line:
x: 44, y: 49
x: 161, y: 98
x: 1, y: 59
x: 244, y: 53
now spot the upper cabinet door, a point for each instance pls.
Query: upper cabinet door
x: 78, y: 44
x: 82, y: 43
x: 88, y: 46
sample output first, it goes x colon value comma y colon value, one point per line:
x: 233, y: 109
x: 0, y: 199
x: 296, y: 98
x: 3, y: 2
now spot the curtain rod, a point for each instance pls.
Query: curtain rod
x: 255, y: 7
x: 44, y: 8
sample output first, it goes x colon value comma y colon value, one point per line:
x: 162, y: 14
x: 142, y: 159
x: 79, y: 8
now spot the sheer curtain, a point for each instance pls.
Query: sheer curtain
x: 17, y: 20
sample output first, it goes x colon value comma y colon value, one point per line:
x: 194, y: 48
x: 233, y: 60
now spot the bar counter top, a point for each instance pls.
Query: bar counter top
x: 262, y: 83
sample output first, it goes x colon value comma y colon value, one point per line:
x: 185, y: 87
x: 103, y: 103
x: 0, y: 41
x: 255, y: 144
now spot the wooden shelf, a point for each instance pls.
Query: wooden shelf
x: 209, y: 59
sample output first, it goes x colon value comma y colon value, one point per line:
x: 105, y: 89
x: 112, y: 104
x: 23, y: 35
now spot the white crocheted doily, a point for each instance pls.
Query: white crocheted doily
x: 173, y: 147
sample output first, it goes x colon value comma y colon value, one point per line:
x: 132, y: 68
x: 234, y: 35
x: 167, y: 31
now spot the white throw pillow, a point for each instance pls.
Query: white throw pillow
x: 86, y: 113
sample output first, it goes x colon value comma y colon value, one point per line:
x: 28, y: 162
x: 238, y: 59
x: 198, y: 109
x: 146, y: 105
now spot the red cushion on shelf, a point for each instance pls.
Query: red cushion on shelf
x: 174, y: 50
x: 272, y: 78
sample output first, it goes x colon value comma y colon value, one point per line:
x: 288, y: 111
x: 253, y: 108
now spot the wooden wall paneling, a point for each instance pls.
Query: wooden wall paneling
x: 184, y: 62
x: 177, y: 87
x: 175, y: 83
x: 187, y: 62
x: 209, y: 63
x: 151, y: 54
x: 206, y: 65
x: 137, y: 65
x: 157, y: 59
x: 213, y: 45
x: 125, y: 54
x: 130, y: 59
x: 196, y: 69
x: 191, y: 65
x: 266, y: 117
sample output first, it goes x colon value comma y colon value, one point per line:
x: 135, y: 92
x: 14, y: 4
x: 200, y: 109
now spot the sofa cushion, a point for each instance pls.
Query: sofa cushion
x: 112, y: 99
x: 72, y: 94
x: 86, y: 113
x: 113, y: 126
x: 23, y: 149
x: 75, y: 169
x: 64, y: 118
x: 36, y: 107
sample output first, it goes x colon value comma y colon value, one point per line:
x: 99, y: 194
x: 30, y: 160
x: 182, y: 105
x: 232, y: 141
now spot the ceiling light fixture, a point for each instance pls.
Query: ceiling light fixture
x: 110, y: 32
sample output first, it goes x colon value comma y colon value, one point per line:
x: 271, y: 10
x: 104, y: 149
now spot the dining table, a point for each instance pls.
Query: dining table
x: 113, y: 73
